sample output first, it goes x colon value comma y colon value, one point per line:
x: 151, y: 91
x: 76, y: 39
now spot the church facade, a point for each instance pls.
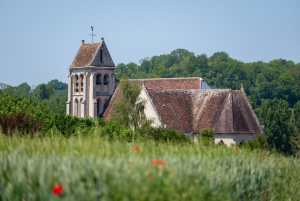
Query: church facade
x: 185, y: 104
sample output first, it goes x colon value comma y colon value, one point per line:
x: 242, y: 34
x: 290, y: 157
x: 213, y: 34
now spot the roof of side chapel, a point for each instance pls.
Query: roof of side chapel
x: 223, y: 110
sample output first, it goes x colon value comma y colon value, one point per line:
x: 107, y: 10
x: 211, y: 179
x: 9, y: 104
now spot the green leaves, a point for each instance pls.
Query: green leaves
x: 275, y: 115
x: 129, y: 109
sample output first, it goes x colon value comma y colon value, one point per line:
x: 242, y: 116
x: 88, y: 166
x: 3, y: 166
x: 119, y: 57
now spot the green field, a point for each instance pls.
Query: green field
x: 93, y: 168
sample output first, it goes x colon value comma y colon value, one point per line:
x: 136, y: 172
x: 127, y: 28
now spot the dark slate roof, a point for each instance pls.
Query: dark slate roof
x: 86, y: 54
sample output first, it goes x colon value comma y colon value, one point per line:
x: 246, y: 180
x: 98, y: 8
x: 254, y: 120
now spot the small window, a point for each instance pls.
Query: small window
x: 242, y: 142
x: 101, y: 56
x: 105, y: 80
x: 98, y: 79
x: 221, y: 143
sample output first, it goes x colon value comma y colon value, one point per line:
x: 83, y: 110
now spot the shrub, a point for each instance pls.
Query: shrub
x: 21, y: 122
x: 164, y: 135
x: 206, y: 136
x: 259, y: 142
x: 68, y: 125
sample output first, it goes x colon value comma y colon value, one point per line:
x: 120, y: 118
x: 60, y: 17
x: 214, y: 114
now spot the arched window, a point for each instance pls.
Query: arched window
x: 242, y: 142
x: 221, y: 142
x: 76, y: 84
x: 106, y: 77
x: 76, y: 107
x: 98, y: 79
x: 81, y: 83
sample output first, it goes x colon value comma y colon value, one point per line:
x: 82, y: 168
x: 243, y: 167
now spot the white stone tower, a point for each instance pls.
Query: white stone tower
x: 91, y: 80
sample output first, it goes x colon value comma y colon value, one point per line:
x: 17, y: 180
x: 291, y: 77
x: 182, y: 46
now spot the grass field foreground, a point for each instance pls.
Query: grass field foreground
x: 93, y: 168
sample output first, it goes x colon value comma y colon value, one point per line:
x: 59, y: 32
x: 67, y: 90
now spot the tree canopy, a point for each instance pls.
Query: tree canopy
x: 278, y: 78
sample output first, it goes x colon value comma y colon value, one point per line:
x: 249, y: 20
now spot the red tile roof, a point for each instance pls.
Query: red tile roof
x: 172, y: 83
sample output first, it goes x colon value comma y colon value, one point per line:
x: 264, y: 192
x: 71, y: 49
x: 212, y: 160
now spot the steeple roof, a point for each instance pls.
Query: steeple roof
x: 88, y: 55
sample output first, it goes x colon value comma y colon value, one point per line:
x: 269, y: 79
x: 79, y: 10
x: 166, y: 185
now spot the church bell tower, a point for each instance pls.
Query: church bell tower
x: 91, y: 80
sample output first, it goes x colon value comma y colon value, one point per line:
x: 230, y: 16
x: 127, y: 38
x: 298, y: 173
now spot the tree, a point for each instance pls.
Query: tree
x: 58, y: 85
x: 275, y: 115
x: 44, y: 91
x: 129, y: 110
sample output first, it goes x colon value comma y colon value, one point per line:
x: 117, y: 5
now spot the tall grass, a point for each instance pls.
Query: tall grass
x: 94, y: 168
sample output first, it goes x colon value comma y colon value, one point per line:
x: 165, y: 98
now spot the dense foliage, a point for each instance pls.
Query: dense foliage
x: 278, y: 78
x: 53, y: 95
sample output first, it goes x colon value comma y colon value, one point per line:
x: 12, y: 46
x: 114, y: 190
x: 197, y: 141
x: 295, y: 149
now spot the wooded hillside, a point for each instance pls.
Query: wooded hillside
x: 277, y: 78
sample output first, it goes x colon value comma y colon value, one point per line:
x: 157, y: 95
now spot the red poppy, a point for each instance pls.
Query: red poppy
x: 162, y: 162
x: 236, y: 148
x: 150, y: 177
x: 159, y: 168
x: 261, y: 158
x: 136, y: 148
x: 58, y: 190
x: 155, y: 161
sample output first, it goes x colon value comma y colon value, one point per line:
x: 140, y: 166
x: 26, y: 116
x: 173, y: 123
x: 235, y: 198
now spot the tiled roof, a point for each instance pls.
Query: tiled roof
x: 223, y: 110
x: 86, y: 54
x: 174, y: 108
x: 157, y: 83
x: 172, y: 83
x: 191, y: 110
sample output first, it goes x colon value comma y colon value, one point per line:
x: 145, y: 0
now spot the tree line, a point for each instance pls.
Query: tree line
x: 278, y: 78
x: 54, y: 94
x: 272, y: 89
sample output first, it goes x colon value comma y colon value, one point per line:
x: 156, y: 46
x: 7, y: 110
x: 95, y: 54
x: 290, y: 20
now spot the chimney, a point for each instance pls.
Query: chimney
x: 82, y: 42
x: 102, y: 39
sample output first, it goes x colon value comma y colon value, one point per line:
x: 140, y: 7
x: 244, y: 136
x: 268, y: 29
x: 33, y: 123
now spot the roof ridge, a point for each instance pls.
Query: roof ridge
x: 190, y: 90
x: 175, y: 115
x: 175, y: 78
x: 252, y: 111
x: 220, y: 110
x: 197, y: 120
x: 236, y: 102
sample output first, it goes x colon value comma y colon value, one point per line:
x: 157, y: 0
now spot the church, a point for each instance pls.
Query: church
x: 186, y: 104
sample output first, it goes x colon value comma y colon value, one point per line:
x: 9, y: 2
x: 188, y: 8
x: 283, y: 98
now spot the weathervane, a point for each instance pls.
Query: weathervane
x: 92, y: 27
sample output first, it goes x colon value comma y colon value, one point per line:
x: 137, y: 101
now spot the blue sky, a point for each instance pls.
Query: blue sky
x: 39, y: 39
